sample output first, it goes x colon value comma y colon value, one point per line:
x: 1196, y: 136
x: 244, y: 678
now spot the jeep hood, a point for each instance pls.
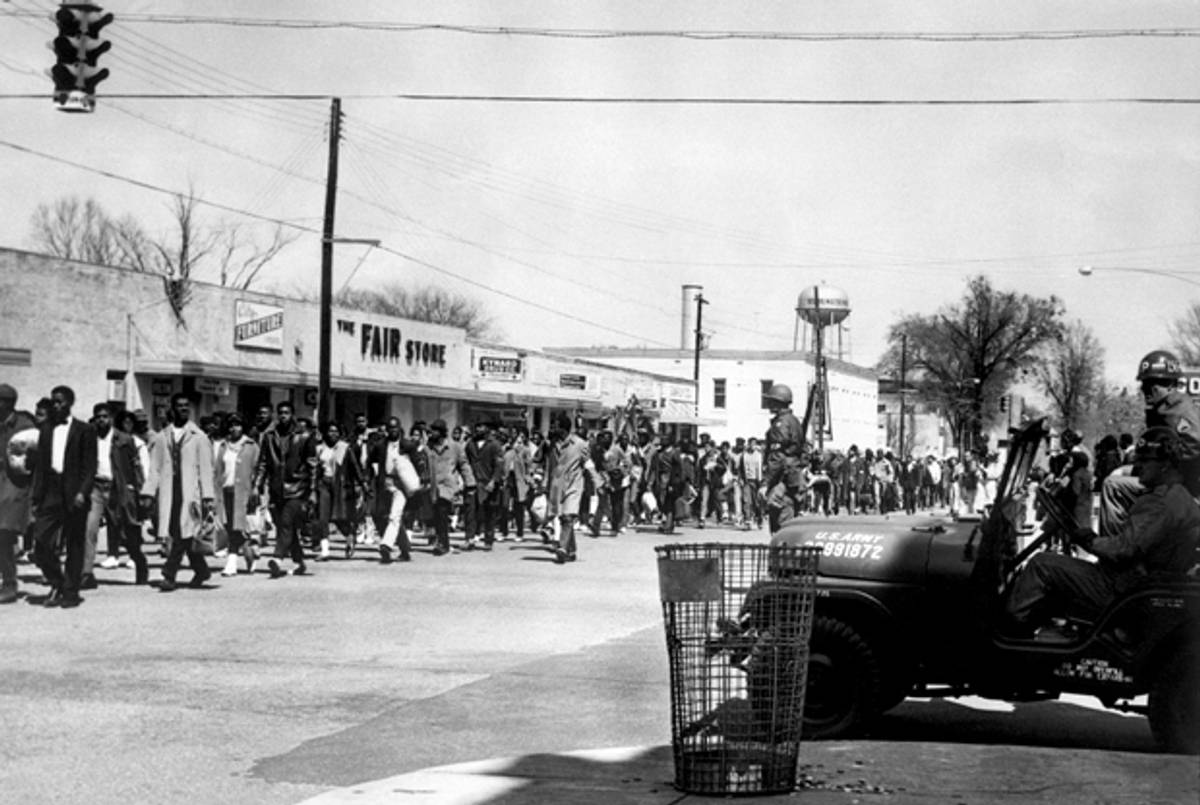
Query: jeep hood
x: 879, y: 548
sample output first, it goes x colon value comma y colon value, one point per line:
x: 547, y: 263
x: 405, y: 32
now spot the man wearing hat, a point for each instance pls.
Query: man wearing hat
x: 15, y: 477
x: 1159, y: 537
x: 449, y: 470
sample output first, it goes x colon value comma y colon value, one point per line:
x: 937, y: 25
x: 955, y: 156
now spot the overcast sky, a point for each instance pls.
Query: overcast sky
x: 602, y: 211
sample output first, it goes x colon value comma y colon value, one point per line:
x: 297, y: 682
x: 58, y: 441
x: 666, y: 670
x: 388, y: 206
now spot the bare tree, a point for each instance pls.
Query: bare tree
x: 241, y: 258
x: 82, y: 230
x: 1185, y: 335
x: 76, y: 229
x: 1114, y: 410
x: 1071, y: 374
x: 427, y: 303
x: 965, y: 356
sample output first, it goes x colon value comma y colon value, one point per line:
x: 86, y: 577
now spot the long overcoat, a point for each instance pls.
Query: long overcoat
x: 243, y: 480
x: 196, y: 476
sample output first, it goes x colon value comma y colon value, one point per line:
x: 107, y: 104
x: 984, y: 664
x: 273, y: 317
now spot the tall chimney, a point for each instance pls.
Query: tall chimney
x: 687, y: 316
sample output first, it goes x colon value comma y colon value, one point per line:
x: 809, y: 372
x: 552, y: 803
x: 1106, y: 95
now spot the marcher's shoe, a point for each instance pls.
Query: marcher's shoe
x: 230, y: 568
x: 436, y: 552
x: 111, y: 563
x: 301, y: 570
x: 385, y: 555
x: 54, y: 599
x: 275, y: 570
x: 197, y: 581
x: 141, y: 574
x: 166, y: 585
x: 570, y: 557
x: 8, y: 595
x: 349, y: 548
x: 560, y: 556
x: 71, y: 601
x: 404, y: 557
x: 88, y: 582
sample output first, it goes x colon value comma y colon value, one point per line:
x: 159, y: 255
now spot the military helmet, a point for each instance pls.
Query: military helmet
x: 1161, y: 443
x: 1159, y: 365
x: 779, y: 393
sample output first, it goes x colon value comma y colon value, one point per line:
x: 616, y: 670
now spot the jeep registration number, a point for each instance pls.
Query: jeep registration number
x: 849, y: 545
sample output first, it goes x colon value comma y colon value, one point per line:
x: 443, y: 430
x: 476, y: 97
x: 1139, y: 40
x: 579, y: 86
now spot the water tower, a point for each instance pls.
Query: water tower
x: 822, y: 306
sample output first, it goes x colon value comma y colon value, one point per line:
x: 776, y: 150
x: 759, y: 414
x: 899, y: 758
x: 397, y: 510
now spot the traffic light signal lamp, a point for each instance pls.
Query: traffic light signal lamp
x: 77, y: 47
x: 1003, y: 403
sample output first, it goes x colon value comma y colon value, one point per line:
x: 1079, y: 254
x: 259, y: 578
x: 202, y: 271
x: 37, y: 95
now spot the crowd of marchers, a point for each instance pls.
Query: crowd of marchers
x: 280, y: 487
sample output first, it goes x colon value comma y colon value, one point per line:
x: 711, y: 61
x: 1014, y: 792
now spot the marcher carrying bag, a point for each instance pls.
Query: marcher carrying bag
x: 406, y: 475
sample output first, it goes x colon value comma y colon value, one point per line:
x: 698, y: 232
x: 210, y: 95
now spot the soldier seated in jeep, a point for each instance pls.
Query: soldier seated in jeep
x: 1158, y: 540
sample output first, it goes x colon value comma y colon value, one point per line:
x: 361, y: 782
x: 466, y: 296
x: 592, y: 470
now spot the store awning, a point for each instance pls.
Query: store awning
x: 274, y: 377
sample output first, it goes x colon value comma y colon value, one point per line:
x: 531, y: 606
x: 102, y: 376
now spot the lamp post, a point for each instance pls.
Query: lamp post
x: 1087, y: 271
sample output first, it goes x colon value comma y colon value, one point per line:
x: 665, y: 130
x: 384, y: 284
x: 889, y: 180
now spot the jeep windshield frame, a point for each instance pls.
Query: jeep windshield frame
x: 997, y: 532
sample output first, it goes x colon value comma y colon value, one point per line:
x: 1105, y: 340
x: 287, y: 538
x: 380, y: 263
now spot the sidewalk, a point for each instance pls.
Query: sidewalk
x: 830, y: 773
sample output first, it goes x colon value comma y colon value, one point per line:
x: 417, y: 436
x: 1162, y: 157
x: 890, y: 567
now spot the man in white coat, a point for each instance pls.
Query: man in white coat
x: 180, y: 475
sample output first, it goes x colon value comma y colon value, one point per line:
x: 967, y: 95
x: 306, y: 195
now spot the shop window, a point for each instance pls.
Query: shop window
x: 766, y: 386
x: 718, y: 392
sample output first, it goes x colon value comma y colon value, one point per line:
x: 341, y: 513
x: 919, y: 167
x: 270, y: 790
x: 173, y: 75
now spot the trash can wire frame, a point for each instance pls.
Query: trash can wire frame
x: 738, y: 620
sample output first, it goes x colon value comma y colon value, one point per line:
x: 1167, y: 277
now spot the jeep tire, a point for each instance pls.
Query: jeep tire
x: 1175, y: 702
x: 843, y: 681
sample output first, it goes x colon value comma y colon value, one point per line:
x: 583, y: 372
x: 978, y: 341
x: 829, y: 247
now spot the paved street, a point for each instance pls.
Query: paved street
x: 281, y: 691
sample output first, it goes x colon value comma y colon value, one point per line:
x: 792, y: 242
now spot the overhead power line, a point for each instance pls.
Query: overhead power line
x: 652, y: 33
x: 563, y: 313
x: 615, y: 100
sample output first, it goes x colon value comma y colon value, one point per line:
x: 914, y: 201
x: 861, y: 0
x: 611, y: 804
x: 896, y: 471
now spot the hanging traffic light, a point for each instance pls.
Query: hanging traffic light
x: 1004, y: 404
x: 77, y: 48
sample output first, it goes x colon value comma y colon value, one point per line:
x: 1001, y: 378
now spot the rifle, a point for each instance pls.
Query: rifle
x: 808, y: 412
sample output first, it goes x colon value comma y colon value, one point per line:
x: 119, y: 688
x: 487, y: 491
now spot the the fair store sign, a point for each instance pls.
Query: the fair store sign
x: 374, y: 348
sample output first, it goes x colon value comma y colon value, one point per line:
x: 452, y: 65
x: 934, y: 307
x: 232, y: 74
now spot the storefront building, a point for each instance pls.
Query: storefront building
x: 113, y: 334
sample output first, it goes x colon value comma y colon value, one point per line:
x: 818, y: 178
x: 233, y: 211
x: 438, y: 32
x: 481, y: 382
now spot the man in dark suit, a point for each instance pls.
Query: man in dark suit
x: 487, y: 465
x: 62, y: 490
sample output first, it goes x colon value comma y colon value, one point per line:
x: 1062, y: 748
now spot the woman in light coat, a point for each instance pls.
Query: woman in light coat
x: 236, y: 457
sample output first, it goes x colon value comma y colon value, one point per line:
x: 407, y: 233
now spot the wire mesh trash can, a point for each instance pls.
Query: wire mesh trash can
x: 738, y: 620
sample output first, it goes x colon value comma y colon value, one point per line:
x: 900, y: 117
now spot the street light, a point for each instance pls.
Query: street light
x: 1087, y: 271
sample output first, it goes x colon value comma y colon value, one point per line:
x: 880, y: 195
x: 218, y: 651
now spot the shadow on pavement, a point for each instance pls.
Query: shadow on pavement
x: 1033, y: 724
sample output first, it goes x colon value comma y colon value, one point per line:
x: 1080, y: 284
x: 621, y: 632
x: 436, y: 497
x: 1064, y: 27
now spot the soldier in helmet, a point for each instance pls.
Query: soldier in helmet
x: 1159, y: 536
x: 783, y: 458
x: 1159, y: 373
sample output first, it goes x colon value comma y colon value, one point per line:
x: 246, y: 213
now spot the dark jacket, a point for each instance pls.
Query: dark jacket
x: 287, y: 465
x: 79, y: 463
x: 487, y: 463
x: 128, y: 476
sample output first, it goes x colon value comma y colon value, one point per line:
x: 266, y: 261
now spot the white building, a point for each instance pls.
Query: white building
x: 732, y: 383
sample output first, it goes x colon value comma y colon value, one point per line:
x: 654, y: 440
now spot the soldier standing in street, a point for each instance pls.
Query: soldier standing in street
x: 783, y: 458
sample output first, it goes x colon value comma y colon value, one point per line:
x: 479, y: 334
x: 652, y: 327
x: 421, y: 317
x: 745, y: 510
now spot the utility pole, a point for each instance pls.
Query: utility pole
x: 903, y: 371
x: 700, y: 303
x: 324, y: 393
